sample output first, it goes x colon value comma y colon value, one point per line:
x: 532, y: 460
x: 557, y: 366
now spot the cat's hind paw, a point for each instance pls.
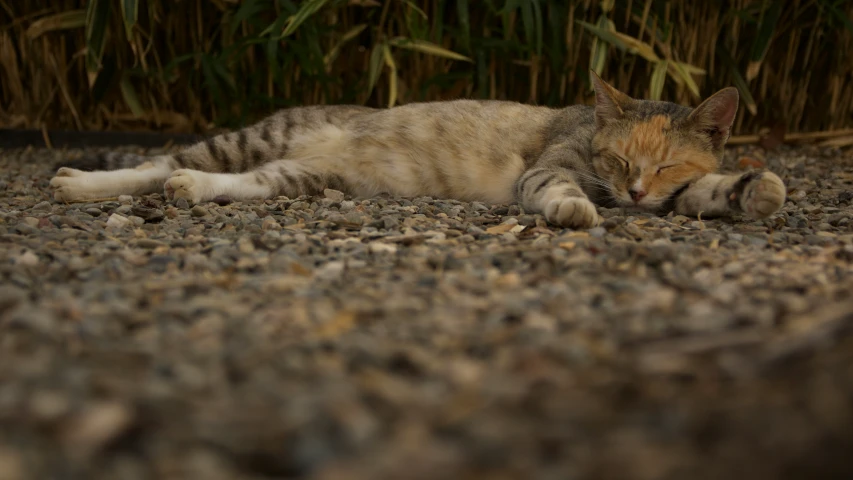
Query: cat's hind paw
x: 763, y: 195
x: 188, y: 184
x: 571, y: 212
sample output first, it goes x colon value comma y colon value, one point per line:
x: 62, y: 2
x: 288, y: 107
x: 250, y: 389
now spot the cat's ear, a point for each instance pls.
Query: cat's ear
x: 610, y: 103
x: 715, y: 116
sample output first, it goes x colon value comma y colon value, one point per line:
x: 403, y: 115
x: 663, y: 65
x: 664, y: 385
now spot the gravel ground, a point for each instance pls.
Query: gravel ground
x: 420, y: 338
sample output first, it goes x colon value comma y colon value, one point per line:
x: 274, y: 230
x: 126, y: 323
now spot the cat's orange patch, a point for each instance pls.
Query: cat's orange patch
x: 648, y: 139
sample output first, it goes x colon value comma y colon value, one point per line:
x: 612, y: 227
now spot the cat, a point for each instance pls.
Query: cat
x: 648, y: 155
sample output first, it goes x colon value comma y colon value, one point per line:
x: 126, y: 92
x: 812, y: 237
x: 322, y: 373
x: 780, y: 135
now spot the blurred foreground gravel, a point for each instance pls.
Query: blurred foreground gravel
x: 336, y: 339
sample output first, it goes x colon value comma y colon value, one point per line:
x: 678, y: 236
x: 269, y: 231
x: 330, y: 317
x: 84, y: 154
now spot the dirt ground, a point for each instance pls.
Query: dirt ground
x: 334, y: 338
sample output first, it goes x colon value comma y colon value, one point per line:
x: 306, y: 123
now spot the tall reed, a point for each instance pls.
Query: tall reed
x: 192, y: 65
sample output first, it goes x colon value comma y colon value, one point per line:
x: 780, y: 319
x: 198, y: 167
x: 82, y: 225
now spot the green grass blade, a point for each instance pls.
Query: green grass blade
x: 638, y: 47
x: 686, y: 77
x: 97, y: 17
x: 305, y: 12
x: 129, y: 13
x: 739, y: 81
x: 276, y: 26
x: 349, y: 35
x: 248, y: 9
x: 601, y: 42
x: 210, y: 80
x: 427, y: 47
x: 658, y: 79
x: 375, y: 67
x: 604, y: 31
x: 392, y: 75
x: 693, y: 69
x: 130, y: 96
x: 60, y: 21
x: 766, y: 30
x: 417, y: 9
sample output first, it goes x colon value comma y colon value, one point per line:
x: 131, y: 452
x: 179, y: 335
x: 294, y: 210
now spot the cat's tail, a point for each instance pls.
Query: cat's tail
x: 90, y: 162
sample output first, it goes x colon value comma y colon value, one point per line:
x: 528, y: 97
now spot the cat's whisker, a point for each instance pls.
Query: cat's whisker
x: 595, y: 181
x: 590, y: 174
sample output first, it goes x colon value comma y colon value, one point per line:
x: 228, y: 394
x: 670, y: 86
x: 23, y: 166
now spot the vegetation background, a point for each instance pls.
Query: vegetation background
x: 192, y: 65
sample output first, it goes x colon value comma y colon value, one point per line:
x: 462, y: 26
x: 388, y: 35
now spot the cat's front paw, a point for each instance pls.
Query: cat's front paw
x: 71, y: 185
x: 763, y: 195
x: 571, y: 212
x: 191, y: 185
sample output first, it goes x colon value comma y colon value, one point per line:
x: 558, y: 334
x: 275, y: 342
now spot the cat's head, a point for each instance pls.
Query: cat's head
x: 647, y: 150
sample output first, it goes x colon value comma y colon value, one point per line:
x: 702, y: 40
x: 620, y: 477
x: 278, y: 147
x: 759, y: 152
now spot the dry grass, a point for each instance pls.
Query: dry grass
x: 195, y: 64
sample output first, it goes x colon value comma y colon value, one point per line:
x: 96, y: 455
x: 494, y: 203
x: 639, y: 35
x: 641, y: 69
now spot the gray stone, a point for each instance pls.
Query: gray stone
x: 199, y: 211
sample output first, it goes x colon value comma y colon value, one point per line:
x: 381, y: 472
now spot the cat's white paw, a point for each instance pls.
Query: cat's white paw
x: 69, y: 172
x: 763, y: 196
x: 192, y: 185
x: 71, y: 185
x: 571, y: 212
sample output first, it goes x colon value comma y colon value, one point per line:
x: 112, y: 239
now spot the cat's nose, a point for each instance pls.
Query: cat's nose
x: 636, y: 194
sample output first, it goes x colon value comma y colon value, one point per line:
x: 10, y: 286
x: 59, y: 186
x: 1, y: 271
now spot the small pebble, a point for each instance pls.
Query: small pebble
x: 334, y: 195
x: 199, y: 211
x: 270, y: 223
x: 222, y: 200
x: 117, y: 221
x: 597, y: 232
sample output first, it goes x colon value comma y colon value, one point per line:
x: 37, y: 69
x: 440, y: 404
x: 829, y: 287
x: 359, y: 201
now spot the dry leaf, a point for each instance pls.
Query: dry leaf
x: 502, y: 228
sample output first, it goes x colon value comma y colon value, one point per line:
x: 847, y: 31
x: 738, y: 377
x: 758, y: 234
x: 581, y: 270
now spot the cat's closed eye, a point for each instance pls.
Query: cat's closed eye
x: 622, y: 162
x: 662, y: 168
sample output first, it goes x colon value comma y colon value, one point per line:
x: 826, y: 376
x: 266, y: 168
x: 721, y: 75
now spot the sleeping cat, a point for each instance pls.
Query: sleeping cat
x: 650, y: 155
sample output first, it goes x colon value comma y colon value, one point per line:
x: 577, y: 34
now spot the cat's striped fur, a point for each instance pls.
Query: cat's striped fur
x: 647, y: 154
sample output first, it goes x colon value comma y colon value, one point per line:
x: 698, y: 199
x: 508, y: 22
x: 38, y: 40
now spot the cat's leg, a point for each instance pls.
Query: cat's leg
x: 756, y: 194
x: 117, y: 173
x: 130, y: 174
x: 73, y: 185
x: 289, y: 178
x: 555, y: 192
